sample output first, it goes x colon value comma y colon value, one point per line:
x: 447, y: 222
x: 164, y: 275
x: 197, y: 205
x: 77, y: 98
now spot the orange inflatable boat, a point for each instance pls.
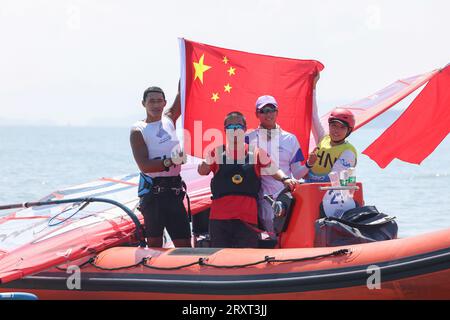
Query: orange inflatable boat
x: 410, y: 268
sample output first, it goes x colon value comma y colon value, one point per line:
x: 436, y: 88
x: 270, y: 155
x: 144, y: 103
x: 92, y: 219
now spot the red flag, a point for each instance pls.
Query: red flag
x: 420, y: 129
x: 367, y: 109
x: 216, y: 81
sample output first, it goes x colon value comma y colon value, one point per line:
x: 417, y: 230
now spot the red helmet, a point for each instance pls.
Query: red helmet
x: 344, y: 116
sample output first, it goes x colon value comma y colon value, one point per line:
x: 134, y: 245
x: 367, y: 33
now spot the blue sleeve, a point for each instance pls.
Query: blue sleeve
x: 298, y: 157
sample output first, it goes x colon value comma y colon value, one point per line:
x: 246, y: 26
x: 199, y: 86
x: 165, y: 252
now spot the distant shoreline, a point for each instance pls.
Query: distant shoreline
x: 381, y: 122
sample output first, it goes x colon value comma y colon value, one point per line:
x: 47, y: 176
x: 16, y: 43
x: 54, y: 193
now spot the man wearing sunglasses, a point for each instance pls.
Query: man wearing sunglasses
x: 235, y: 187
x: 284, y: 150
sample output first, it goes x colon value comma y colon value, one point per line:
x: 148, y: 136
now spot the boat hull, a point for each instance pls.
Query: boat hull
x: 409, y: 268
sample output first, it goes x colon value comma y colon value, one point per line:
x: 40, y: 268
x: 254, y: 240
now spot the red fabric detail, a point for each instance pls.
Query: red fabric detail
x: 367, y: 109
x: 235, y: 207
x: 420, y: 129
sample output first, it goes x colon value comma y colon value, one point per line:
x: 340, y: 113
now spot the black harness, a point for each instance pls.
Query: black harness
x: 150, y: 187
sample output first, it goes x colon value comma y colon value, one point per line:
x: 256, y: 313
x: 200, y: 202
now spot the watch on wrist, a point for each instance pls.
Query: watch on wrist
x: 167, y: 163
x: 285, y: 178
x: 308, y: 165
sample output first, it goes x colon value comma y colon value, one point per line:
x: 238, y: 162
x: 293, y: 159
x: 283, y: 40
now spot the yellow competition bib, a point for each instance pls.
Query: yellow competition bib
x: 327, y: 155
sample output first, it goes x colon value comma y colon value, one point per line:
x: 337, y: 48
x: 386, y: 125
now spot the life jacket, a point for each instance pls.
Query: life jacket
x: 327, y: 155
x: 236, y: 178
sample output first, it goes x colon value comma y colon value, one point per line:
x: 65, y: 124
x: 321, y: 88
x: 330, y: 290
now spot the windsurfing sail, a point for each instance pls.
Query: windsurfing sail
x: 37, y: 238
x: 367, y: 109
x: 420, y: 129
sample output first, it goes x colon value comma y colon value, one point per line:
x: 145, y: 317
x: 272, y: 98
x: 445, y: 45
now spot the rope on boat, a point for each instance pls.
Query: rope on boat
x: 83, y: 205
x: 203, y: 262
x: 89, y: 261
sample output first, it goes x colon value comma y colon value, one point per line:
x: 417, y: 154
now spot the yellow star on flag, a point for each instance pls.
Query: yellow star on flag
x: 227, y: 88
x: 231, y: 71
x: 225, y: 60
x: 215, y: 97
x: 200, y: 68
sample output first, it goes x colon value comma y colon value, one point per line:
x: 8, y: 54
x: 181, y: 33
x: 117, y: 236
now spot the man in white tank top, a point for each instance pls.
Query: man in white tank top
x: 157, y: 153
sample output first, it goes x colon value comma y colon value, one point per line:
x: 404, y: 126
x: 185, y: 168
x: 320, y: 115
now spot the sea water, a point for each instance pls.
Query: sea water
x: 35, y: 161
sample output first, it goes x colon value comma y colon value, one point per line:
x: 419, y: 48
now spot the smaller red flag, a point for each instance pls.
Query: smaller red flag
x: 420, y: 129
x: 216, y: 81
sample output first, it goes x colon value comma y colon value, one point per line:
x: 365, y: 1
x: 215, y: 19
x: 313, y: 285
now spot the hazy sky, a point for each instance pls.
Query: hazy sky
x: 88, y: 62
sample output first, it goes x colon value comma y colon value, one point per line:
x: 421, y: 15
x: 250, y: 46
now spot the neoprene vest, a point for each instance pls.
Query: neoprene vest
x: 236, y: 179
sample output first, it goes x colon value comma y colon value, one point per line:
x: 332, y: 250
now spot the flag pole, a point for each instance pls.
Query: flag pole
x: 182, y: 87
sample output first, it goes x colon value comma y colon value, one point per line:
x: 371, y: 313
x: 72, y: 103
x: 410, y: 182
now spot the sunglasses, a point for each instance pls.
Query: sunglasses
x: 267, y: 110
x: 235, y: 127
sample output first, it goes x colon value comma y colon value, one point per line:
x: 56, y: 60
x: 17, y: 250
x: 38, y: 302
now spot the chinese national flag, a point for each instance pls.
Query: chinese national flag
x: 216, y: 81
x: 420, y: 129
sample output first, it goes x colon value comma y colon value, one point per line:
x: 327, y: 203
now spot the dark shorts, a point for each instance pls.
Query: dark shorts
x: 232, y: 234
x: 165, y: 210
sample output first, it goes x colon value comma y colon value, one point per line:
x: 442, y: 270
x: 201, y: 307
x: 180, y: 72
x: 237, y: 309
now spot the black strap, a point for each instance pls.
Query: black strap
x: 183, y: 184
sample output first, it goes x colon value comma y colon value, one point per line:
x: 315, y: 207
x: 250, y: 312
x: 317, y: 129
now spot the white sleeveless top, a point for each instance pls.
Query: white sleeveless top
x: 161, y: 140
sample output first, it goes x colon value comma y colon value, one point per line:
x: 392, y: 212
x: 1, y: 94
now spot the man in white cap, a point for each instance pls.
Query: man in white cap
x: 284, y: 150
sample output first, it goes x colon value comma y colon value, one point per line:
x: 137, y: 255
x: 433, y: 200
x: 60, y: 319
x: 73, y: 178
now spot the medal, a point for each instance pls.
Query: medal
x: 237, y: 179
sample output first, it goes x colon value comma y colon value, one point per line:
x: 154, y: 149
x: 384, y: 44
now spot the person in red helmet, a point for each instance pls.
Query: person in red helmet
x: 333, y: 151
